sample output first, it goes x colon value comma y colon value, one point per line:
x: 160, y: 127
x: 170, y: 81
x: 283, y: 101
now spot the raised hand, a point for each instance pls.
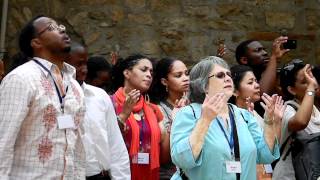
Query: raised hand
x: 131, y: 99
x: 212, y: 106
x: 279, y: 108
x: 250, y: 104
x: 277, y: 50
x: 268, y: 105
x: 221, y: 51
x: 179, y: 104
x: 311, y: 80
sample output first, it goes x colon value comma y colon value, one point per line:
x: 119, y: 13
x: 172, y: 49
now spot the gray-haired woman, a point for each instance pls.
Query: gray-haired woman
x: 211, y: 139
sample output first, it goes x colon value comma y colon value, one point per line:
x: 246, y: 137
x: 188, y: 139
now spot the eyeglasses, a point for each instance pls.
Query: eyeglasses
x: 221, y: 75
x: 53, y: 27
x: 292, y: 64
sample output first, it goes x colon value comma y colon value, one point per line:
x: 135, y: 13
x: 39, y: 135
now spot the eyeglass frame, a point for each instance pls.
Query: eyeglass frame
x: 54, y: 27
x: 221, y: 75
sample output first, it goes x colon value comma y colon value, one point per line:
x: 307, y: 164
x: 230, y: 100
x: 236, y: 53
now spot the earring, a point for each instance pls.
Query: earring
x: 166, y: 88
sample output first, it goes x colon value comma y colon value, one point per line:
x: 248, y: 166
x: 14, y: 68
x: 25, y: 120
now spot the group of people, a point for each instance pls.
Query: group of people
x: 64, y: 115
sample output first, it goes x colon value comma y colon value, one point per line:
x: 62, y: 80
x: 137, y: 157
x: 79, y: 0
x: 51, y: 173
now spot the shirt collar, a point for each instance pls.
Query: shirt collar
x: 67, y: 69
x: 87, y: 90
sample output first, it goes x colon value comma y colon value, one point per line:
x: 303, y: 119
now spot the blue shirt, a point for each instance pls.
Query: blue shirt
x: 211, y: 163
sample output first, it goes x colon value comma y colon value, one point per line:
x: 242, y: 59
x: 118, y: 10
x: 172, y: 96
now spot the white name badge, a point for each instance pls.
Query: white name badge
x: 65, y: 121
x: 268, y: 168
x: 233, y: 166
x: 143, y: 158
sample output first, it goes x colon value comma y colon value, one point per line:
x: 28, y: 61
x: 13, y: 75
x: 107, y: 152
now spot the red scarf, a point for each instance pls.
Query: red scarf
x: 151, y: 115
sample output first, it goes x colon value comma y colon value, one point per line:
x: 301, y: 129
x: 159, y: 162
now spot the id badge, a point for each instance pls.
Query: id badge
x: 143, y: 158
x: 65, y: 121
x: 233, y: 166
x: 268, y: 168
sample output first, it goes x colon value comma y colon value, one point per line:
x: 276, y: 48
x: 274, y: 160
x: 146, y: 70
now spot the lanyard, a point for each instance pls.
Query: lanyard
x: 61, y: 98
x: 231, y: 140
x: 141, y: 131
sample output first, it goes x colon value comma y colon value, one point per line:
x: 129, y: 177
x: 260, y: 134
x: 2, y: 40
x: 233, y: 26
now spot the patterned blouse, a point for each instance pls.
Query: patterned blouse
x: 31, y: 144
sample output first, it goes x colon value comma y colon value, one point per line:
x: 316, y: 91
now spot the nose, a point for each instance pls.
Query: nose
x: 264, y: 53
x: 149, y: 74
x: 257, y: 85
x: 185, y: 77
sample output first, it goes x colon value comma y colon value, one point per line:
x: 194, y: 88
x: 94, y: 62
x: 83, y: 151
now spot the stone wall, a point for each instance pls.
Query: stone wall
x: 186, y: 29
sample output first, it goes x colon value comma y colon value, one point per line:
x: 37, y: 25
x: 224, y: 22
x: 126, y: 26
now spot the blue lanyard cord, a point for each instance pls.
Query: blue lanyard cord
x: 231, y: 140
x: 61, y: 98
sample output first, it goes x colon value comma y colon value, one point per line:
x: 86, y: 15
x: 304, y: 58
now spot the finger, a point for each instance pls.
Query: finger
x: 213, y: 98
x: 263, y: 105
x: 266, y: 101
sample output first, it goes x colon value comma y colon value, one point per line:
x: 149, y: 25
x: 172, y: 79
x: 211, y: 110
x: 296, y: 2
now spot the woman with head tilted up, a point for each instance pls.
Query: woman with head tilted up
x: 301, y: 116
x: 211, y: 139
x: 139, y: 120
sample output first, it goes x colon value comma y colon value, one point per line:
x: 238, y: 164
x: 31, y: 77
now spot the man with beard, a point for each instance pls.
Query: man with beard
x: 41, y: 109
x: 106, y: 154
x: 252, y: 53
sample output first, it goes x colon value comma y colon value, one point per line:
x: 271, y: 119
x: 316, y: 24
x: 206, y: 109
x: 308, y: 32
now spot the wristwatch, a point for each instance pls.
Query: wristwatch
x: 310, y: 93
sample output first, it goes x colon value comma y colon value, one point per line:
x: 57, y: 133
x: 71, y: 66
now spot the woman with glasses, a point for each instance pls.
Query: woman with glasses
x: 170, y: 84
x: 211, y: 139
x: 139, y: 120
x: 301, y: 116
x: 247, y: 92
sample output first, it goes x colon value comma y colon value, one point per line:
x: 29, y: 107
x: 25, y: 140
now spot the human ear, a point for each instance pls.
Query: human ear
x: 164, y: 81
x: 35, y: 43
x: 291, y: 90
x: 126, y: 74
x: 236, y: 93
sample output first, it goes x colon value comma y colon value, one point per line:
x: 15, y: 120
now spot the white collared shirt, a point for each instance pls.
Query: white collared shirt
x: 105, y: 148
x: 31, y: 144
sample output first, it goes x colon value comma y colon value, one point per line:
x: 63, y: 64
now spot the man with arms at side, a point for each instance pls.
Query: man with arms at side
x: 106, y: 154
x: 41, y: 109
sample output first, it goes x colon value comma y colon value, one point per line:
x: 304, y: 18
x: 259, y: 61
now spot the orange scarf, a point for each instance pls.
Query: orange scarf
x: 151, y: 115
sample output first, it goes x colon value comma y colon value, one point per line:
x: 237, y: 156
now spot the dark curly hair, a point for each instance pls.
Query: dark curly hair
x: 121, y: 65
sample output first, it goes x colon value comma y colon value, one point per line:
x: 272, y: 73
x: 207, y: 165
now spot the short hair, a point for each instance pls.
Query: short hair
x: 121, y: 65
x: 28, y: 33
x: 242, y: 49
x: 288, y: 76
x: 96, y: 64
x: 199, y: 77
x: 162, y: 69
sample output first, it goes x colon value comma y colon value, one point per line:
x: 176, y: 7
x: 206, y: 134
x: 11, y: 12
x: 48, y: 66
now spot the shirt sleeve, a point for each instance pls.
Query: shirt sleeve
x: 15, y: 97
x: 120, y: 164
x: 264, y: 155
x: 181, y: 152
